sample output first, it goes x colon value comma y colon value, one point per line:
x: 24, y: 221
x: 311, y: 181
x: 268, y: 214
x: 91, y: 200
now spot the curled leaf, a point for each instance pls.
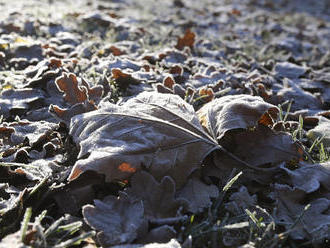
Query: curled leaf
x: 73, y: 93
x: 233, y: 112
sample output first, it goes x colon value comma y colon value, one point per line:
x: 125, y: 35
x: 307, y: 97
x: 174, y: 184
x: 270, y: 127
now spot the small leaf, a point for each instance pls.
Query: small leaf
x: 116, y: 219
x: 233, y: 112
x: 187, y: 40
x: 158, y: 198
x: 198, y: 194
x: 73, y: 93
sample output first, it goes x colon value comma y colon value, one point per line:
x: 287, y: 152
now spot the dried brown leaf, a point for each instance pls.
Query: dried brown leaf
x: 73, y: 93
x: 158, y: 131
x: 65, y: 115
x: 187, y: 40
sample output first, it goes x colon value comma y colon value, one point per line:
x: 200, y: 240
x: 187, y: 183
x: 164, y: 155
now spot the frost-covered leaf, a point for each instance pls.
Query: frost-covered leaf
x: 322, y: 130
x: 198, y: 194
x: 95, y: 92
x: 158, y: 199
x: 309, y: 177
x: 289, y: 70
x: 241, y: 200
x: 38, y: 169
x: 313, y: 223
x: 73, y: 93
x: 17, y: 132
x: 116, y: 219
x: 301, y: 99
x: 187, y: 40
x: 10, y: 197
x: 241, y: 124
x: 123, y: 79
x: 19, y: 101
x: 261, y: 146
x: 12, y: 240
x: 66, y: 114
x: 160, y: 132
x: 159, y: 234
x: 234, y: 112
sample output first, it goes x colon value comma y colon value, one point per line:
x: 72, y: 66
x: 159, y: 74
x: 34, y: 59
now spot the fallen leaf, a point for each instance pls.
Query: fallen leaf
x: 322, y: 130
x: 27, y: 51
x: 158, y: 131
x: 289, y: 70
x: 310, y: 177
x: 159, y: 234
x: 19, y: 101
x: 206, y: 93
x: 261, y: 146
x: 123, y: 79
x: 73, y: 93
x: 300, y: 98
x: 66, y: 114
x: 94, y: 93
x: 315, y: 221
x: 169, y: 82
x: 233, y: 112
x: 187, y: 40
x: 158, y: 199
x: 116, y: 51
x: 116, y: 219
x: 39, y: 169
x: 17, y: 132
x: 171, y: 244
x: 241, y: 200
x: 12, y: 240
x: 197, y: 194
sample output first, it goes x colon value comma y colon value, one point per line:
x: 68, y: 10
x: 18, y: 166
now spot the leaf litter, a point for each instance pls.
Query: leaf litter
x: 168, y: 124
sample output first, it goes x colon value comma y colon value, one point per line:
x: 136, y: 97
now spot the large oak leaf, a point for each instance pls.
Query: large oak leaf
x: 160, y: 132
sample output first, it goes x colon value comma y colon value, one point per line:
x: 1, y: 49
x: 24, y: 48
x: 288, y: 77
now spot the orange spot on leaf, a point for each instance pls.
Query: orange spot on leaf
x: 126, y: 167
x: 74, y: 174
x: 265, y: 120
